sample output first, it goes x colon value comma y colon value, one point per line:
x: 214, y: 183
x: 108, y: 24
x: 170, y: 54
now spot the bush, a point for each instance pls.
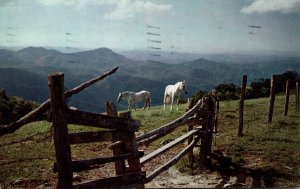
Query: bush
x: 200, y: 94
x: 259, y: 88
x: 13, y: 108
x: 228, y: 91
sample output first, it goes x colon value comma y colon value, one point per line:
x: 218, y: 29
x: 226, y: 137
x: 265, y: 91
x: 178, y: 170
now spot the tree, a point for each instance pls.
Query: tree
x: 259, y: 88
x: 293, y: 76
x: 228, y: 91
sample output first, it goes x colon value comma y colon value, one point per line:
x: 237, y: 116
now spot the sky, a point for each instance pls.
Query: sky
x: 197, y: 26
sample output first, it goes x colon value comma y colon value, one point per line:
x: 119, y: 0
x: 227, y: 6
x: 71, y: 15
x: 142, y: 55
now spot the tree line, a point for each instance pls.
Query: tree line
x: 256, y: 89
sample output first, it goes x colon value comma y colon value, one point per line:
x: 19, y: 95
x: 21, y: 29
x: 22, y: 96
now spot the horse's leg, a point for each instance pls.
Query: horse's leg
x: 145, y: 104
x: 165, y: 98
x: 149, y: 102
x: 172, y: 101
x: 177, y: 101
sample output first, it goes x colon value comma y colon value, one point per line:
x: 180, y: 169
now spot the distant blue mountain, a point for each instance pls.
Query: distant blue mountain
x: 24, y: 73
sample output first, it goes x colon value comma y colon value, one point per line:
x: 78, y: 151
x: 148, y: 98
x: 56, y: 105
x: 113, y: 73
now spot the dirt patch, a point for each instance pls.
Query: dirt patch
x: 174, y: 179
x: 223, y: 173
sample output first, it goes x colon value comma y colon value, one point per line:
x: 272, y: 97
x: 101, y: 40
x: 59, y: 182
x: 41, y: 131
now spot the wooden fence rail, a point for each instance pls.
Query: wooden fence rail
x: 169, y: 127
x: 202, y: 113
x: 166, y: 147
x: 31, y: 116
x: 100, y: 121
x: 173, y: 161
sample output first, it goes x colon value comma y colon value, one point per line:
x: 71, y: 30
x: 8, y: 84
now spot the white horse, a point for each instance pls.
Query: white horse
x: 173, y: 93
x: 133, y: 97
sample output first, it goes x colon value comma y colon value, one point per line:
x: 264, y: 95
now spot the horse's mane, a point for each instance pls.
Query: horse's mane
x: 183, y: 82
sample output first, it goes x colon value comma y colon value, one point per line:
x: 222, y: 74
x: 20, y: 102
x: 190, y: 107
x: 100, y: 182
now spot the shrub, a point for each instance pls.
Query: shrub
x: 13, y: 108
x: 228, y: 91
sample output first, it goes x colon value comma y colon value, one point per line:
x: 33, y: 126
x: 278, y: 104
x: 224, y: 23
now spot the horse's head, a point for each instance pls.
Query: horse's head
x: 182, y: 87
x: 120, y: 97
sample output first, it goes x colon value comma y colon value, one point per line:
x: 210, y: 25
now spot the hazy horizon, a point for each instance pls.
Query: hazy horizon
x: 118, y: 50
x: 206, y: 26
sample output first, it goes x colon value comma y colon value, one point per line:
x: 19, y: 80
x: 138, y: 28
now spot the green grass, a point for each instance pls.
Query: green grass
x: 25, y: 154
x: 156, y: 117
x: 29, y: 152
x: 273, y: 146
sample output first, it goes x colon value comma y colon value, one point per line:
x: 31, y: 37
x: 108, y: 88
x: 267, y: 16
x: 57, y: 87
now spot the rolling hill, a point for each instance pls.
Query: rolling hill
x: 24, y: 73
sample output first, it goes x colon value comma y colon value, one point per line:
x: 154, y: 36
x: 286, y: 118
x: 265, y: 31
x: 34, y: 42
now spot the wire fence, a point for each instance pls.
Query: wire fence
x: 255, y: 111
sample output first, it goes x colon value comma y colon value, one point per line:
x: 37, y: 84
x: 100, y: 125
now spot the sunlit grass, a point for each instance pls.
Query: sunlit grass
x: 276, y: 145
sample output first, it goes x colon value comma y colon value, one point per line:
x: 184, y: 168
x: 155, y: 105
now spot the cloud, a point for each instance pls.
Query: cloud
x: 20, y: 3
x: 76, y: 2
x: 121, y: 9
x: 79, y: 5
x: 128, y: 9
x: 264, y: 6
x: 148, y: 6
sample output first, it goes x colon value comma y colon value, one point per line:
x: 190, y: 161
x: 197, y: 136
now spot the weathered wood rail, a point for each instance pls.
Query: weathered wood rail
x: 31, y: 116
x: 200, y: 114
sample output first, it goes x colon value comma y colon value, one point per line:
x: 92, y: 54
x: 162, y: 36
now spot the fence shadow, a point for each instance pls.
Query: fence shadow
x: 259, y: 177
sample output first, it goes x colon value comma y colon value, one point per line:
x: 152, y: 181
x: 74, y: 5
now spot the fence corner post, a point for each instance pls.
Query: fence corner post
x: 297, y: 95
x: 241, y: 107
x: 120, y: 166
x: 61, y: 136
x: 190, y: 104
x: 272, y: 99
x: 287, y: 97
x: 207, y: 138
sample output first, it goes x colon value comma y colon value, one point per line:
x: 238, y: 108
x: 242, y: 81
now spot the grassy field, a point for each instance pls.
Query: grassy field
x: 270, y: 148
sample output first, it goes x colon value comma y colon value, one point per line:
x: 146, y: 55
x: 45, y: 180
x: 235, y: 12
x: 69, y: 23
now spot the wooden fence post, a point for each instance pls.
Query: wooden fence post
x: 206, y: 140
x: 217, y: 104
x: 272, y: 99
x: 61, y: 136
x: 120, y: 166
x: 130, y: 146
x: 190, y: 104
x: 241, y: 108
x: 297, y: 96
x: 287, y: 97
x: 217, y: 116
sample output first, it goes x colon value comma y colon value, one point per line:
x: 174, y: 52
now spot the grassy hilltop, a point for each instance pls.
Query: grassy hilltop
x: 272, y: 149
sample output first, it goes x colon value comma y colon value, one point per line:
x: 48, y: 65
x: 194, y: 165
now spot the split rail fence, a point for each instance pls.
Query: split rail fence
x: 124, y: 142
x: 200, y: 119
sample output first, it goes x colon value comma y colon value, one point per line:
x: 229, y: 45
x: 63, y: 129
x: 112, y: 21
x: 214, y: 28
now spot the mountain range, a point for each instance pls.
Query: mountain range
x: 24, y: 73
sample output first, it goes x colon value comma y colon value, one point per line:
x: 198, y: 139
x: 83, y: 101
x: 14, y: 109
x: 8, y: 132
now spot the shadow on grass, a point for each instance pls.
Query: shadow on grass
x: 259, y: 177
